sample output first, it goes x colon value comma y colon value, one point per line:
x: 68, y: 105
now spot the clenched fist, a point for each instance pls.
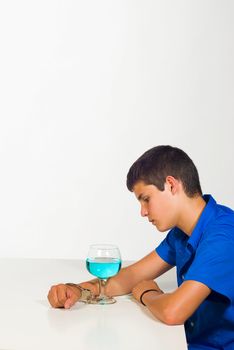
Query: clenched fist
x: 63, y: 295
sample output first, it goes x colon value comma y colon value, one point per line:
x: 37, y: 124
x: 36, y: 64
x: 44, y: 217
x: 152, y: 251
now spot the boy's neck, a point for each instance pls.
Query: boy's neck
x: 191, y: 212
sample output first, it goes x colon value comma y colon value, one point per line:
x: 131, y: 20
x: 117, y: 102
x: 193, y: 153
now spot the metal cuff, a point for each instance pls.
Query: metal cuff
x: 86, y: 294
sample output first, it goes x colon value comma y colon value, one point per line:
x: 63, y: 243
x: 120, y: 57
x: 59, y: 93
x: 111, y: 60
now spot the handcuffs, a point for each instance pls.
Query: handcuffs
x: 86, y: 294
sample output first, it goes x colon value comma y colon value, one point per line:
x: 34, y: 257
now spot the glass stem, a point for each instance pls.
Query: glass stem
x: 102, y: 284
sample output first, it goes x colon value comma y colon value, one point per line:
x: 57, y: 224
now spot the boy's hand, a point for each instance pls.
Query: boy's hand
x: 142, y: 286
x: 64, y: 296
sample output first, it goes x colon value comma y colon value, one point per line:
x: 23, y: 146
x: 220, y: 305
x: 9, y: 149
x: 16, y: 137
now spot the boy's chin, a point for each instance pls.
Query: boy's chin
x: 163, y: 229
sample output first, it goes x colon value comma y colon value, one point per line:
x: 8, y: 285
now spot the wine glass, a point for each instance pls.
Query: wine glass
x: 103, y: 261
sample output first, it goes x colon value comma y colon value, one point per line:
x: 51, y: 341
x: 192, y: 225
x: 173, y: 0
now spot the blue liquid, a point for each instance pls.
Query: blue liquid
x: 103, y: 267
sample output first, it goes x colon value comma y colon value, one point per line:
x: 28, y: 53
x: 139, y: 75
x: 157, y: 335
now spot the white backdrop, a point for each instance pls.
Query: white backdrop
x: 86, y: 87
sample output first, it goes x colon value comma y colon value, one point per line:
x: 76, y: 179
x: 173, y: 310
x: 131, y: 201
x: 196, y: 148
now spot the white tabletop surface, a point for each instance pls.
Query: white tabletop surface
x: 27, y: 322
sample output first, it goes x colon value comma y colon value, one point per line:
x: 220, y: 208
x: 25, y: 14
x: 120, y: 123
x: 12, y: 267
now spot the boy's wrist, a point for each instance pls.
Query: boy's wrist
x: 159, y: 291
x: 85, y: 294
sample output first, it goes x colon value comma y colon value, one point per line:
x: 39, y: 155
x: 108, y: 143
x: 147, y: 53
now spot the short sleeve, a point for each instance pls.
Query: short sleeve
x: 213, y: 264
x: 166, y: 249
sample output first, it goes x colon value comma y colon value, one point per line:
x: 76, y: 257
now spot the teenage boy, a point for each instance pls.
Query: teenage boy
x: 200, y: 244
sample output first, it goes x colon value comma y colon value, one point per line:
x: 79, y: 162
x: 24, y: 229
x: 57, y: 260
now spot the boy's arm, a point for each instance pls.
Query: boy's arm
x: 150, y: 267
x: 176, y: 307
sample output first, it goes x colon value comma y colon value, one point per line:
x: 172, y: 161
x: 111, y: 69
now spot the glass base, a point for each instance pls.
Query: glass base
x: 102, y: 301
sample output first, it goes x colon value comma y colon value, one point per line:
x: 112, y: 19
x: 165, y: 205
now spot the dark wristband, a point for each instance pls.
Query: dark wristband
x: 146, y: 291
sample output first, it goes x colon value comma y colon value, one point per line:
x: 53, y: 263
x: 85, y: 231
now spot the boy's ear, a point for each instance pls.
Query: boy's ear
x: 172, y: 183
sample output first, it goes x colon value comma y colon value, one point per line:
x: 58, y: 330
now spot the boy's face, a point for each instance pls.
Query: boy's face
x: 159, y: 207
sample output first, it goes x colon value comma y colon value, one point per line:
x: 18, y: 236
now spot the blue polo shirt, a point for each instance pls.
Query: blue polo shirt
x: 207, y: 256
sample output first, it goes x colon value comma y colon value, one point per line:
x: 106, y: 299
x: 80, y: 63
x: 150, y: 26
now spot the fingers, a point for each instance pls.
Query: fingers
x: 62, y: 295
x: 71, y: 298
x: 53, y: 297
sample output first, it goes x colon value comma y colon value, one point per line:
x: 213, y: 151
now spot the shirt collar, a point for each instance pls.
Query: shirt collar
x: 205, y: 217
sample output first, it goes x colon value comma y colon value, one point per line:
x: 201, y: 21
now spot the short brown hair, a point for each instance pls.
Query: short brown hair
x: 161, y: 161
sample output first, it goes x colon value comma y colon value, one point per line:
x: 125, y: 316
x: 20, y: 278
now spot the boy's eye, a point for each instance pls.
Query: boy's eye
x: 146, y: 199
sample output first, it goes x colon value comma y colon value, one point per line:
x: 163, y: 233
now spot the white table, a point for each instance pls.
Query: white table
x: 27, y: 322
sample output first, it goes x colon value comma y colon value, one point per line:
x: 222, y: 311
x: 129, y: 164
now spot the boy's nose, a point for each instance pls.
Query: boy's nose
x: 144, y: 212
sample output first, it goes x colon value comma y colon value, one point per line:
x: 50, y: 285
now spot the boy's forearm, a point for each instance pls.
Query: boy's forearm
x: 149, y: 267
x: 120, y: 284
x: 159, y: 305
x: 176, y: 307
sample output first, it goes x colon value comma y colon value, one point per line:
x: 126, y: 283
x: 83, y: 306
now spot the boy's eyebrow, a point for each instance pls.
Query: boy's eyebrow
x: 140, y: 197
